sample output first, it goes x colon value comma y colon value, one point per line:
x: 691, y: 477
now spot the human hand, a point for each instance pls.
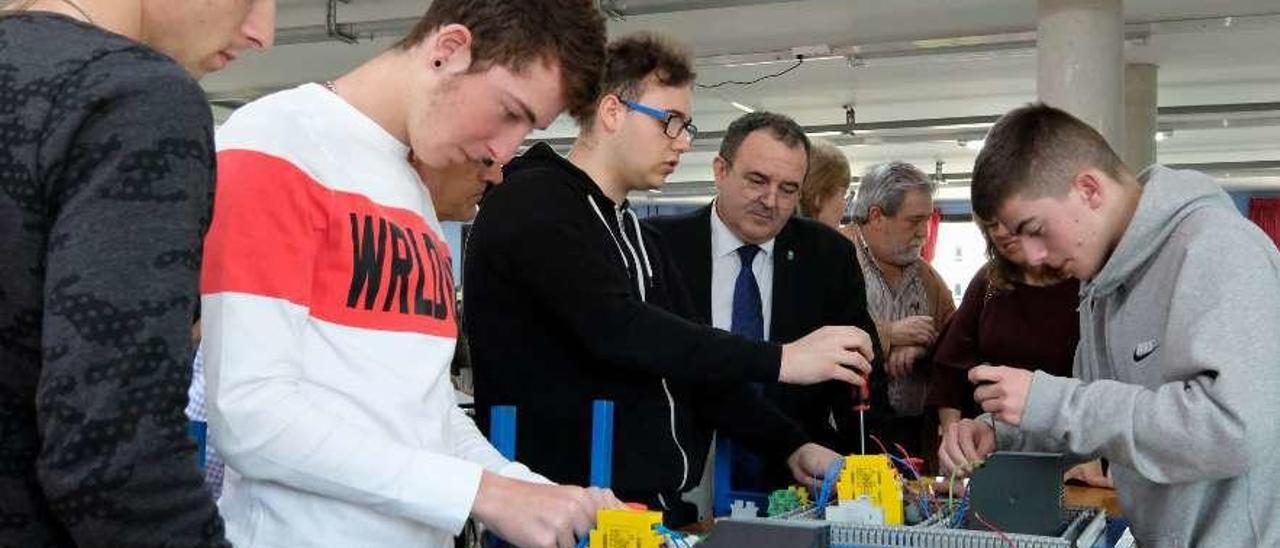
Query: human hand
x: 965, y: 443
x: 1002, y: 391
x: 809, y: 463
x: 912, y: 331
x: 834, y: 352
x: 537, y: 515
x: 902, y: 360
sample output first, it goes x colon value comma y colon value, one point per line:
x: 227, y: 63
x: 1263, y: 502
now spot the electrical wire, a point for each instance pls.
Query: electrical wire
x: 958, y: 518
x: 905, y: 455
x: 676, y: 538
x: 880, y: 443
x: 924, y: 498
x: 828, y: 481
x: 799, y: 61
x: 997, y: 530
x: 906, y: 465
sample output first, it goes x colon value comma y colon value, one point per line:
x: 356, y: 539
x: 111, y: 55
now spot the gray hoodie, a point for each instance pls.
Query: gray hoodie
x: 1177, y: 373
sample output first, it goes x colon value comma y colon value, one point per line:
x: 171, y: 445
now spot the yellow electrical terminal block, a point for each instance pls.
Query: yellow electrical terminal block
x: 875, y: 477
x: 802, y: 494
x: 627, y: 528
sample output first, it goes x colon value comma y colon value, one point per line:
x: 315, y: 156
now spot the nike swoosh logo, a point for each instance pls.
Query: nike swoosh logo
x: 1143, y: 350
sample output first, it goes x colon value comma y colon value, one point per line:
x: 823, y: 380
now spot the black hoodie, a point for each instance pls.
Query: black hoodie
x: 569, y: 300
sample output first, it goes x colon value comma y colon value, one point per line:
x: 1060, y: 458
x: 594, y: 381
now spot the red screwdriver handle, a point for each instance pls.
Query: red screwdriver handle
x: 862, y: 395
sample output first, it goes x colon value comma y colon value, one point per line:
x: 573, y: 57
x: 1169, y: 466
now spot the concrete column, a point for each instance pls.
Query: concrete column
x: 1080, y: 62
x: 1139, y: 115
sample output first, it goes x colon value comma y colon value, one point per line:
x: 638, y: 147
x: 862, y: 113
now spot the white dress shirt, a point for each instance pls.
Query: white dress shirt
x: 725, y: 265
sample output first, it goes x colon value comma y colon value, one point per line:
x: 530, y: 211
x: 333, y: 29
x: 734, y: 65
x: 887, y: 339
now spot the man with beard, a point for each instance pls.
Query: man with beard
x: 907, y: 297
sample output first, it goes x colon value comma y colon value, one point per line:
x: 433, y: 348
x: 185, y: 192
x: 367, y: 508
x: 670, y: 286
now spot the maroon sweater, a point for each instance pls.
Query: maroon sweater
x: 1027, y: 327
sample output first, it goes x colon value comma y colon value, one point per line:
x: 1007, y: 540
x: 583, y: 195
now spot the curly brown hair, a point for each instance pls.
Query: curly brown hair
x: 631, y: 60
x: 512, y: 34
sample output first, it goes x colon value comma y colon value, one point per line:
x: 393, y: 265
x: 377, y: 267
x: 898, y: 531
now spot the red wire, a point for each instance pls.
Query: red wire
x: 878, y: 442
x: 988, y: 525
x: 905, y: 455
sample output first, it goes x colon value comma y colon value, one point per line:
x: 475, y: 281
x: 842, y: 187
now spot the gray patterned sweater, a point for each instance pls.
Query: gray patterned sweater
x: 106, y: 180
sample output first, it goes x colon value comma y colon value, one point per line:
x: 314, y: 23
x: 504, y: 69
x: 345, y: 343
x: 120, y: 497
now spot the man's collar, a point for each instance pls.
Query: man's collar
x: 725, y: 242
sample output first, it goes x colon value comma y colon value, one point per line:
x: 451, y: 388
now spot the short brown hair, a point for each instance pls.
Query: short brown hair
x: 1035, y: 150
x: 631, y: 60
x: 828, y: 172
x: 513, y: 33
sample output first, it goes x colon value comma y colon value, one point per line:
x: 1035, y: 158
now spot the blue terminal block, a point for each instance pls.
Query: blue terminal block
x: 602, y: 443
x: 502, y: 430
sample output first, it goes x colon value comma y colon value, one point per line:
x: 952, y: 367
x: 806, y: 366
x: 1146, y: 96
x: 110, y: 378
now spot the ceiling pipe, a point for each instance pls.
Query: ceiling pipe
x: 397, y: 27
x: 701, y: 192
x: 972, y: 128
x: 357, y: 31
x: 619, y: 9
x: 337, y: 31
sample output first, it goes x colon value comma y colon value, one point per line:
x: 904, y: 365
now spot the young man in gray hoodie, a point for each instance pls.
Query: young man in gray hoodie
x: 1179, y: 356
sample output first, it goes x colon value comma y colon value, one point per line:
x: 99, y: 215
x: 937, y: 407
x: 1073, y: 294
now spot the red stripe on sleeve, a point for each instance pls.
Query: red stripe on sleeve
x: 278, y: 233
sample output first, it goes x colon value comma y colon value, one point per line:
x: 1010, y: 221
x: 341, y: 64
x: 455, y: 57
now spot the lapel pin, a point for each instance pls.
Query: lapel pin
x: 791, y: 255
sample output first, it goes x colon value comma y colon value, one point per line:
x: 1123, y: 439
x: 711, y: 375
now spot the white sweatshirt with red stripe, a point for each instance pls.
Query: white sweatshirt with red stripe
x: 328, y: 317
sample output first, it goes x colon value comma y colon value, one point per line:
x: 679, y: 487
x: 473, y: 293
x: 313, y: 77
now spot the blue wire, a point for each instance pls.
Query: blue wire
x: 924, y: 501
x: 829, y: 480
x: 958, y: 519
x: 906, y: 465
x: 675, y: 536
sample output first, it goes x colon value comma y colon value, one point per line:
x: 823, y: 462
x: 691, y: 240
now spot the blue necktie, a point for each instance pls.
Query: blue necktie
x: 748, y: 321
x: 746, y: 468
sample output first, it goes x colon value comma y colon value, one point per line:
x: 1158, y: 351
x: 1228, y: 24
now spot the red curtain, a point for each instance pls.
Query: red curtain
x: 1266, y: 213
x: 931, y: 240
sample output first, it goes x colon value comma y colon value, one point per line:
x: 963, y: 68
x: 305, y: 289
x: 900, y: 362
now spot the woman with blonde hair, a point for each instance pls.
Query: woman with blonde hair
x: 823, y: 192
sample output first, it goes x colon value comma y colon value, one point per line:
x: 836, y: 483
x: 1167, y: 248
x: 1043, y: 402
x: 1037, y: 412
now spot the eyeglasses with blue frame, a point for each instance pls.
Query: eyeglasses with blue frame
x: 673, y: 123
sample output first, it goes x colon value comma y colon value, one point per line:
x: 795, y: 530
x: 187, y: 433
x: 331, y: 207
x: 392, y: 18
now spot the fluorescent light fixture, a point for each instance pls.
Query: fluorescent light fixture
x: 742, y: 107
x: 1161, y: 136
x: 974, y: 145
x: 975, y: 125
x: 825, y: 134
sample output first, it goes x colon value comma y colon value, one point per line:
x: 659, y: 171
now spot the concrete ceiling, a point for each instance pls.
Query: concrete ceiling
x: 1203, y: 58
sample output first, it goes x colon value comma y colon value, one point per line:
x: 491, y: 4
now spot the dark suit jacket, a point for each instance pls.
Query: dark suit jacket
x: 816, y: 282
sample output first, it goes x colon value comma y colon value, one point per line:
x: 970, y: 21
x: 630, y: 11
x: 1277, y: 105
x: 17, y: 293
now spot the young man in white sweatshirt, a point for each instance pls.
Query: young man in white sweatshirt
x: 328, y: 310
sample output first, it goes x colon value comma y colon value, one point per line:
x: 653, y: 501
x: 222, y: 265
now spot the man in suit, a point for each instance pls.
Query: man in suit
x: 754, y: 268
